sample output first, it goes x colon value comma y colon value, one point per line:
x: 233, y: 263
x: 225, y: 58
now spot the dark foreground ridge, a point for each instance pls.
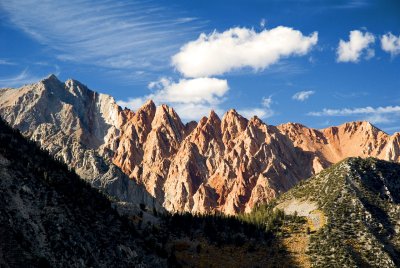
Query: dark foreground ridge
x: 49, y: 217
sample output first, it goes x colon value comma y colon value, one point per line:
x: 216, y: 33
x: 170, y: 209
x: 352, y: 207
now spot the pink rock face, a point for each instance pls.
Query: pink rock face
x: 233, y: 164
x: 228, y: 165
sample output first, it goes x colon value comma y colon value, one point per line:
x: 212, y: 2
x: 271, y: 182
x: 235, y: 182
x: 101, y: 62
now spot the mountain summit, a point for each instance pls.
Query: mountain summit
x: 150, y: 156
x: 77, y: 126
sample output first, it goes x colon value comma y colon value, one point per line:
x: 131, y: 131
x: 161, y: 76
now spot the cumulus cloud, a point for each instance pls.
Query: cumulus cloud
x: 197, y: 90
x: 303, y: 95
x: 391, y: 44
x: 265, y: 111
x: 192, y: 98
x: 133, y: 103
x: 218, y: 53
x: 194, y: 111
x: 374, y: 115
x: 358, y: 43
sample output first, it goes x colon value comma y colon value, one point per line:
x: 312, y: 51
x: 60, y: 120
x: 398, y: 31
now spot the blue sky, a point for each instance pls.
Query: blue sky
x: 319, y: 63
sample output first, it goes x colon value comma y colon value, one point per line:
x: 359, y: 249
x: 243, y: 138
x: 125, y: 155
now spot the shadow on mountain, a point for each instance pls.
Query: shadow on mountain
x: 49, y: 217
x: 224, y: 241
x: 380, y: 186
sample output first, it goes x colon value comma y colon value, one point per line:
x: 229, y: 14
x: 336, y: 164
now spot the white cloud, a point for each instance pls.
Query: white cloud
x: 352, y: 50
x: 357, y: 111
x: 267, y: 102
x: 378, y: 119
x: 303, y: 95
x: 370, y: 53
x: 197, y: 90
x: 391, y: 44
x: 113, y: 34
x: 218, y: 53
x: 263, y: 23
x: 385, y: 114
x: 262, y: 112
x: 133, y: 103
x: 194, y: 111
x: 249, y: 113
x: 192, y: 98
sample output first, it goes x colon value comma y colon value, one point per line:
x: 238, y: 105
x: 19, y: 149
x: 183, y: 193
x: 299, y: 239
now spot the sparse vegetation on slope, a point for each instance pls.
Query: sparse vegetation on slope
x: 217, y: 240
x: 359, y: 199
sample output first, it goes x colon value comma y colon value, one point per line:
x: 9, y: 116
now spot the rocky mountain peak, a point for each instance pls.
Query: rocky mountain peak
x: 147, y: 106
x: 214, y: 117
x: 232, y: 125
x: 152, y: 147
x: 233, y: 117
x: 79, y: 126
x: 51, y: 84
x: 255, y: 121
x: 358, y: 126
x: 166, y: 117
x: 52, y: 78
x: 292, y: 125
x: 213, y: 121
x: 146, y: 112
x: 207, y: 134
x: 79, y: 90
x: 164, y: 114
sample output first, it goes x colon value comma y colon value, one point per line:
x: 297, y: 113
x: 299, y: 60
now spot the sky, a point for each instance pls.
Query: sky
x: 315, y: 62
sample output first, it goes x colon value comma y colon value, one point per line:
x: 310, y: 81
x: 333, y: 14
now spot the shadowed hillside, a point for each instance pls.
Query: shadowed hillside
x: 49, y: 217
x: 229, y: 164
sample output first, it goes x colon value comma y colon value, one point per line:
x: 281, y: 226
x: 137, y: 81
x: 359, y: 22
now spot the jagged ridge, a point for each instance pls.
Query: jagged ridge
x: 227, y: 164
x: 79, y: 127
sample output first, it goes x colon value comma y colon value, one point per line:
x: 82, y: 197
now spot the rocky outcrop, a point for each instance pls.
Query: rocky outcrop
x: 79, y: 127
x: 228, y: 165
x: 233, y: 164
x: 333, y: 144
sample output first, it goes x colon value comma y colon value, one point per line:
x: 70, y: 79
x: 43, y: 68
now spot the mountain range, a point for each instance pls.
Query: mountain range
x: 300, y: 197
x: 151, y: 157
